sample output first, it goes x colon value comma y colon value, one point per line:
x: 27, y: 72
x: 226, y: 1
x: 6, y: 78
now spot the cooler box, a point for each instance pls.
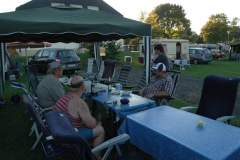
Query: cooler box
x: 140, y: 60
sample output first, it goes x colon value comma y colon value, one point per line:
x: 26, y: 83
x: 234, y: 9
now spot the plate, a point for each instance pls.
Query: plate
x: 115, y: 92
x: 65, y: 80
x: 108, y: 102
x: 126, y: 93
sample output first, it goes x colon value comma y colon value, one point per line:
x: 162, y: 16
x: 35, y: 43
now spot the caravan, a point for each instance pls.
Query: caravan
x: 173, y: 47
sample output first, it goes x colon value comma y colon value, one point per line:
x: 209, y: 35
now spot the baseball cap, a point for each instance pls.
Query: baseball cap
x: 55, y: 64
x: 160, y: 67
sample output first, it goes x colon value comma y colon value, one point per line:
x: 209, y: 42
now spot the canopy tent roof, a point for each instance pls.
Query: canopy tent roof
x: 67, y: 24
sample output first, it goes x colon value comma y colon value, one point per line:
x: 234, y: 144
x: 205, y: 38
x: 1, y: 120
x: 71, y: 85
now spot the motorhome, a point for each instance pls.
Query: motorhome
x: 194, y: 45
x: 173, y: 47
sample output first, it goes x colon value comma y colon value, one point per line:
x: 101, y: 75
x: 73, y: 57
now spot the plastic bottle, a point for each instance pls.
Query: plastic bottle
x: 109, y: 84
x: 94, y: 81
x: 92, y: 87
x: 99, y: 118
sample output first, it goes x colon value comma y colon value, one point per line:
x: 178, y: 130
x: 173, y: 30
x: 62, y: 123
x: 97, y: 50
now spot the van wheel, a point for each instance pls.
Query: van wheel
x: 195, y: 61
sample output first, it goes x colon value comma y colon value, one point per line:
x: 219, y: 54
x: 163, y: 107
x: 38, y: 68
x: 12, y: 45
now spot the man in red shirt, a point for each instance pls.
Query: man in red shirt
x: 78, y: 112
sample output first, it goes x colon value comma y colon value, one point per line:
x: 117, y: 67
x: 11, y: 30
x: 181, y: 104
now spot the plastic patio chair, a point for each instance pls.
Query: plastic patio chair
x: 33, y: 98
x: 89, y: 70
x: 170, y: 63
x: 123, y: 75
x: 140, y: 85
x: 62, y: 131
x: 185, y: 61
x: 107, y: 69
x: 51, y: 148
x: 218, y: 98
x: 32, y: 72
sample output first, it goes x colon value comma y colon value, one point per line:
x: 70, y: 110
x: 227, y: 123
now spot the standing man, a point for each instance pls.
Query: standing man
x: 50, y: 89
x: 78, y: 113
x: 160, y: 86
x: 162, y: 58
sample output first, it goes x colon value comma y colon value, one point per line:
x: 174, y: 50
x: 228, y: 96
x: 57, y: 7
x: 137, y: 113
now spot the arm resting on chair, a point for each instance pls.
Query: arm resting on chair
x: 224, y: 119
x: 110, y: 144
x: 188, y: 108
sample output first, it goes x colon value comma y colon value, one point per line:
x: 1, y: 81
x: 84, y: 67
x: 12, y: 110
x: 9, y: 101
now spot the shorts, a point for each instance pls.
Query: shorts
x: 86, y: 133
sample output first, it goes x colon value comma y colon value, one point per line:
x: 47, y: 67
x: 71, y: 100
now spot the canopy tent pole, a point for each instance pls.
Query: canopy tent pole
x: 2, y: 69
x: 26, y: 55
x: 97, y: 54
x: 147, y: 52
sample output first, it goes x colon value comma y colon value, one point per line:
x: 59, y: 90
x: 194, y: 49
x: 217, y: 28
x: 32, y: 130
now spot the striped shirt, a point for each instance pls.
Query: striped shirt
x: 62, y: 105
x: 159, y: 84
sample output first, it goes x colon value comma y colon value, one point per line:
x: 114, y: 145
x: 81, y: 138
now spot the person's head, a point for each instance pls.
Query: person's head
x: 159, y: 70
x: 56, y: 69
x: 77, y: 85
x: 158, y: 49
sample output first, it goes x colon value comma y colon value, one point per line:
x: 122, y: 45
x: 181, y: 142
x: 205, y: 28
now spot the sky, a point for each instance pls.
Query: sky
x: 198, y: 12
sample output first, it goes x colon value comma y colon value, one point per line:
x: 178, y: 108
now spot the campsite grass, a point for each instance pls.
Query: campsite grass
x: 15, y: 123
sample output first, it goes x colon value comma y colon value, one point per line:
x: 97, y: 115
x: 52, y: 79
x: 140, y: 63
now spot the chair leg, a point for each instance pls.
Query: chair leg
x: 32, y: 129
x: 39, y: 136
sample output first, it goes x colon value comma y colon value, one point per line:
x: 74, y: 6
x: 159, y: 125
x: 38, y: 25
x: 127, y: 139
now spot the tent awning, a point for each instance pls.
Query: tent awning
x: 52, y: 24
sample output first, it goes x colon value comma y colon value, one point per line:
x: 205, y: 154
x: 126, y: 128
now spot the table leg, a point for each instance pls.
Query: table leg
x: 114, y: 125
x: 94, y: 107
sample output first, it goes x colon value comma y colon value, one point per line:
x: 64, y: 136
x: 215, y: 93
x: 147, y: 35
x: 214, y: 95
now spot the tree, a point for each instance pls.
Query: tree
x: 172, y: 20
x: 194, y: 37
x: 234, y: 30
x: 112, y: 49
x: 143, y: 16
x: 215, y: 30
x: 152, y: 19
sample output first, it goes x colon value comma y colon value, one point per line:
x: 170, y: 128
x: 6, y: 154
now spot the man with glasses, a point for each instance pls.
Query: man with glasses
x: 79, y: 114
x: 161, y: 85
x: 50, y: 89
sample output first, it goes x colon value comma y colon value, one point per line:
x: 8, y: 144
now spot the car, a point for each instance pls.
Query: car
x: 67, y: 57
x: 200, y: 55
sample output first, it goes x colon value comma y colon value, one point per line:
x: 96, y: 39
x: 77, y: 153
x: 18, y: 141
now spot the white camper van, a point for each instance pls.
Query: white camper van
x: 172, y: 47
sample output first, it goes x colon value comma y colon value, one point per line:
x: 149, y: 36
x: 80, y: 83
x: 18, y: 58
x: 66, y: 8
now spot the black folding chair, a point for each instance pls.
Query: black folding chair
x: 218, y: 98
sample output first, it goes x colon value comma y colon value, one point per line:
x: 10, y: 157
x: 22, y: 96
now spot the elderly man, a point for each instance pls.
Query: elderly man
x: 160, y: 85
x: 50, y: 89
x: 78, y: 113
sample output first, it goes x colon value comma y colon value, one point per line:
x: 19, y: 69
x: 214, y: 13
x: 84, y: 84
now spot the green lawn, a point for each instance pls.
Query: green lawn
x: 15, y: 123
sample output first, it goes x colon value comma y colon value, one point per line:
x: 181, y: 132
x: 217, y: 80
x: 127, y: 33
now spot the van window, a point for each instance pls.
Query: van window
x: 191, y: 51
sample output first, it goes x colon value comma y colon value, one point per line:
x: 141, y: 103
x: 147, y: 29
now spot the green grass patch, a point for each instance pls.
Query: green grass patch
x: 15, y: 123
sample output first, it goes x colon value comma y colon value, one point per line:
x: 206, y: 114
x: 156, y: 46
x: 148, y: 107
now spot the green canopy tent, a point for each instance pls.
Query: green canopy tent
x: 68, y: 24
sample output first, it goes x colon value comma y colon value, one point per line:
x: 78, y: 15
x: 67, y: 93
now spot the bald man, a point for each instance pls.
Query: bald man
x: 78, y: 112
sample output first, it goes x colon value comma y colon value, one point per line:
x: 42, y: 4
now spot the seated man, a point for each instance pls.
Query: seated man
x: 78, y: 113
x: 50, y: 89
x: 160, y: 85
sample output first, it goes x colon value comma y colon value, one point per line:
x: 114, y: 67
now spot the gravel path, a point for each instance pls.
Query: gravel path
x: 188, y: 89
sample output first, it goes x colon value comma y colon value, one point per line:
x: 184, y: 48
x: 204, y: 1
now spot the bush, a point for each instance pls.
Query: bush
x: 112, y: 49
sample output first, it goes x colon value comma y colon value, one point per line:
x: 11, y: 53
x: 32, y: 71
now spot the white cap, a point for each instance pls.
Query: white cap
x: 160, y: 67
